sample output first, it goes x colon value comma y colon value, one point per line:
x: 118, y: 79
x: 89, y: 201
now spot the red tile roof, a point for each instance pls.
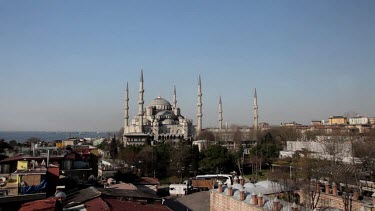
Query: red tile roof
x: 125, y: 186
x: 148, y: 181
x: 97, y: 204
x: 44, y: 204
x: 13, y: 158
x: 117, y: 205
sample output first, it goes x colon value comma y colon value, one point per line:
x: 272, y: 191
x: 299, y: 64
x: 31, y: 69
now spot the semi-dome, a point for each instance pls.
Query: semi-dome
x: 160, y: 103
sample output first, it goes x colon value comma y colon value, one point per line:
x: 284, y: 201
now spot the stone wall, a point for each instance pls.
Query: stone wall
x: 219, y: 202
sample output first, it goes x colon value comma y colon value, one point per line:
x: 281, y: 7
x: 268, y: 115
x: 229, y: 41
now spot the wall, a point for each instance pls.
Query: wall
x: 337, y: 121
x: 337, y: 202
x: 220, y: 202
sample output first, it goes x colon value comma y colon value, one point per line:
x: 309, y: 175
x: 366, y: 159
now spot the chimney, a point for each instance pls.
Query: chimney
x: 230, y: 190
x: 254, y: 200
x: 334, y: 189
x: 317, y: 187
x: 260, y: 199
x: 276, y: 204
x: 220, y: 187
x: 294, y: 207
x: 242, y: 181
x: 242, y: 194
x: 328, y: 190
x: 355, y: 195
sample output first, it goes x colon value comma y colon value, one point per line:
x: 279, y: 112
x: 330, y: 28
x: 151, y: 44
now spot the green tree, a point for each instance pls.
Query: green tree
x: 4, y: 145
x: 13, y: 143
x: 162, y: 156
x: 195, y: 158
x: 33, y: 140
x: 267, y: 150
x: 217, y: 159
x: 130, y: 154
x: 113, y: 150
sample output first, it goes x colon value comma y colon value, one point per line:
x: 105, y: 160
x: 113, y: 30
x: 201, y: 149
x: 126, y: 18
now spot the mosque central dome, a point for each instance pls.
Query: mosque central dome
x: 160, y: 103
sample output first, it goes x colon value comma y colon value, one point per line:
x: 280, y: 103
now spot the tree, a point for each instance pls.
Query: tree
x: 267, y: 149
x: 237, y: 138
x: 195, y: 158
x: 4, y: 145
x: 113, y: 150
x: 334, y: 147
x: 162, y: 153
x: 130, y: 154
x: 308, y: 170
x: 364, y: 150
x: 13, y: 143
x: 206, y: 135
x: 145, y: 159
x: 33, y: 140
x: 181, y: 158
x: 216, y: 159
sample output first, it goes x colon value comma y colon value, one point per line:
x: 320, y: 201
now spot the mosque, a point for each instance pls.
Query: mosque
x: 163, y: 121
x: 160, y: 121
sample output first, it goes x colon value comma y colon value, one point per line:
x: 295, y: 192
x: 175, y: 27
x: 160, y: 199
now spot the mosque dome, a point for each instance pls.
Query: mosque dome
x: 160, y: 104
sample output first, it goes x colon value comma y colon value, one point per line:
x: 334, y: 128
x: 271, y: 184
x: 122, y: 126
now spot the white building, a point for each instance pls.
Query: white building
x: 326, y: 147
x: 359, y: 120
x: 160, y: 120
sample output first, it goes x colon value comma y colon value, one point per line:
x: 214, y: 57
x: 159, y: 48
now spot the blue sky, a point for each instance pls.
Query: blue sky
x: 64, y: 64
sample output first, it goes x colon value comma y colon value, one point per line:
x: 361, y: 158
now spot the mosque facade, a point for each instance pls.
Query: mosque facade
x: 162, y: 121
x: 159, y: 121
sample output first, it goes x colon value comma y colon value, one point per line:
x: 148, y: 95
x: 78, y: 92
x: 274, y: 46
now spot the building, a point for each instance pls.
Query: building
x: 372, y: 120
x: 316, y: 122
x: 337, y: 120
x: 252, y: 197
x: 290, y: 124
x: 358, y: 120
x: 159, y: 121
x: 320, y: 148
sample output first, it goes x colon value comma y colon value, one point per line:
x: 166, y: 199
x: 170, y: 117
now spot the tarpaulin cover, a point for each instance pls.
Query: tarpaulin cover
x: 34, y: 188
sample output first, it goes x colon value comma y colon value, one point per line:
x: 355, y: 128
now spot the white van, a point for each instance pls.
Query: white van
x: 178, y: 189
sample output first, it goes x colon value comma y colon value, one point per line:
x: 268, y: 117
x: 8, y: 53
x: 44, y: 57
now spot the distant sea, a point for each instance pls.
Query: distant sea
x: 22, y: 136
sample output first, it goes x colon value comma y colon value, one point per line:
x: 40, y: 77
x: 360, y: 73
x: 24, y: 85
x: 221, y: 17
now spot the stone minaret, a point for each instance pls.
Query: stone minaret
x: 199, y: 104
x: 126, y: 118
x: 255, y: 110
x: 220, y: 114
x: 174, y: 99
x: 140, y: 103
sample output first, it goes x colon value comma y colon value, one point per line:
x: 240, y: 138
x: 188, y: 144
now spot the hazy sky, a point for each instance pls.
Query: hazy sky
x: 64, y: 64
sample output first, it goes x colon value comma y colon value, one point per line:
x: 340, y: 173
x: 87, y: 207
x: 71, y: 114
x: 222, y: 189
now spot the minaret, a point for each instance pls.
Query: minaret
x: 140, y: 103
x: 199, y: 104
x: 255, y: 109
x: 220, y: 114
x: 126, y: 122
x: 174, y: 98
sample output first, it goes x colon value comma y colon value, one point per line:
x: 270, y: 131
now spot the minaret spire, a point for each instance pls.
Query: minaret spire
x: 126, y: 122
x: 140, y: 103
x: 174, y: 98
x: 220, y: 114
x: 199, y: 104
x: 255, y: 110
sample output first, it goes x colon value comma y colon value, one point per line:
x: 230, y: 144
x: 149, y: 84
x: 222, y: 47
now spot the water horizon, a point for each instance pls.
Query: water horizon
x: 22, y: 136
